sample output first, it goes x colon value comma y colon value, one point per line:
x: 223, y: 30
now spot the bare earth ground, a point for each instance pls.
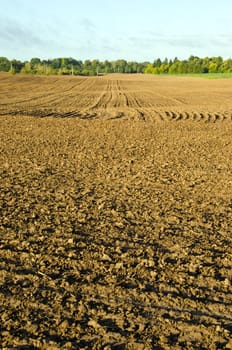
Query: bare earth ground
x: 116, y: 219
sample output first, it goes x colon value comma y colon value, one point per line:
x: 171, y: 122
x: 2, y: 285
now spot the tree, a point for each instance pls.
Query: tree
x: 227, y: 66
x: 56, y: 63
x: 27, y: 68
x: 16, y: 65
x: 4, y: 64
x: 119, y: 66
x: 173, y: 68
x: 87, y: 64
x: 164, y: 68
x: 157, y: 62
x: 34, y: 62
x: 149, y: 69
x: 213, y: 67
x: 106, y: 67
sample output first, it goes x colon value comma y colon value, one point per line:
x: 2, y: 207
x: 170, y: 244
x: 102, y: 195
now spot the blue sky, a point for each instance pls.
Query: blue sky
x: 140, y: 30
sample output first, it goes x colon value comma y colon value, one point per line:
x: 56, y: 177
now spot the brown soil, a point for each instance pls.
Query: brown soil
x: 116, y: 225
x: 117, y: 96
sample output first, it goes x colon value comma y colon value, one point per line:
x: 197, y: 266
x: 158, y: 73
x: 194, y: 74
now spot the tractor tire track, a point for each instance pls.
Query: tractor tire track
x: 116, y: 96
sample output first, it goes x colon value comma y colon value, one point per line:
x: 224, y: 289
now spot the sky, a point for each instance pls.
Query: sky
x: 135, y: 30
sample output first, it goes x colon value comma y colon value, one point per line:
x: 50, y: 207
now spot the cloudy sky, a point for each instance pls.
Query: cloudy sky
x: 140, y: 30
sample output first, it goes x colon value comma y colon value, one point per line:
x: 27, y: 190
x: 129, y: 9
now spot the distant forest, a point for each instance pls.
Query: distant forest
x: 71, y: 66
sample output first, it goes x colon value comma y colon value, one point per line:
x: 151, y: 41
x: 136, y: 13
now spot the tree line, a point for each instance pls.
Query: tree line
x: 71, y: 66
x: 194, y: 65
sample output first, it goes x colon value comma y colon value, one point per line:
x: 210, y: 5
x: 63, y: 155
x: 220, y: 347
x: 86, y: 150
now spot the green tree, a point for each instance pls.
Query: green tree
x: 226, y: 67
x: 4, y: 64
x: 106, y: 67
x: 149, y: 69
x: 164, y: 68
x: 16, y: 65
x: 27, y: 68
x: 157, y: 63
x: 213, y: 67
x: 34, y: 62
x: 56, y: 63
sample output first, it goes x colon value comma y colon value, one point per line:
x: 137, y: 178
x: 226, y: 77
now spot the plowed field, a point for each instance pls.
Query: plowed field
x: 117, y: 96
x: 115, y: 213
